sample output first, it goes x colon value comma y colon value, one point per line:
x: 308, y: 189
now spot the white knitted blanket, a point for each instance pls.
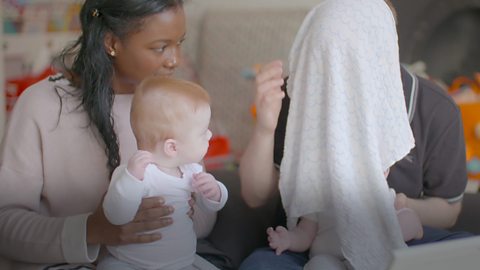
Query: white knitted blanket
x: 347, y: 125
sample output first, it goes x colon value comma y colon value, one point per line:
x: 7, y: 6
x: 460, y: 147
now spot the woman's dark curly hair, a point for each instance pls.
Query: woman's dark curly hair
x: 92, y: 69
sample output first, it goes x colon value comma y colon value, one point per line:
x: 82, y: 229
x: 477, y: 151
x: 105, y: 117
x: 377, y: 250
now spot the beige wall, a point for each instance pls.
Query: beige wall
x: 197, y: 4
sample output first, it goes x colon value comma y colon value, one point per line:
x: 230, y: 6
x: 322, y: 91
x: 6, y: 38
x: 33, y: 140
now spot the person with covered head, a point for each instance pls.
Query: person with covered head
x: 347, y: 125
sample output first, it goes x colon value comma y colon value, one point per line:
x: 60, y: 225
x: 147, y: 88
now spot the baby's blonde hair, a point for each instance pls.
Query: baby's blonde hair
x: 160, y: 105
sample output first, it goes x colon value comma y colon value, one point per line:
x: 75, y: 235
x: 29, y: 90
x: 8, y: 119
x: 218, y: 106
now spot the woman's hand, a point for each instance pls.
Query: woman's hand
x: 151, y: 215
x: 269, y: 95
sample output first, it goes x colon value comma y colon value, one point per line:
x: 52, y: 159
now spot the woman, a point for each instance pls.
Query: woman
x: 68, y: 133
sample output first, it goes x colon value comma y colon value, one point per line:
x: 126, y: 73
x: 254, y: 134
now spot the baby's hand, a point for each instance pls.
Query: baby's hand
x: 206, y: 184
x: 278, y: 239
x: 138, y: 162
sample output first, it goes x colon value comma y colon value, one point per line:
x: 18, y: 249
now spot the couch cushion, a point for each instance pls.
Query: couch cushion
x: 469, y: 219
x: 240, y: 229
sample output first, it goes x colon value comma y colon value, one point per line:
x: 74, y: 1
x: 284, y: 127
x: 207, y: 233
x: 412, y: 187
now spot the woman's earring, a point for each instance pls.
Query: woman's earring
x: 112, y: 53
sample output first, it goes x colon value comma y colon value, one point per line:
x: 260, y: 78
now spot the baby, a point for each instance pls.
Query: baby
x: 312, y: 230
x: 170, y: 120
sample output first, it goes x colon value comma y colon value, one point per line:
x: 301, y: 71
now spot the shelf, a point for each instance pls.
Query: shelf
x: 19, y: 44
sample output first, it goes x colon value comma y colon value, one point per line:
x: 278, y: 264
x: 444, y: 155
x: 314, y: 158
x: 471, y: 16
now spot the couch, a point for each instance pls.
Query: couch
x: 225, y: 39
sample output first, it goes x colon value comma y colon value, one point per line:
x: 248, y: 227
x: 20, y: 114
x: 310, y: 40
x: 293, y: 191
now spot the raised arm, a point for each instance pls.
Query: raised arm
x: 126, y: 189
x: 123, y: 197
x: 258, y: 176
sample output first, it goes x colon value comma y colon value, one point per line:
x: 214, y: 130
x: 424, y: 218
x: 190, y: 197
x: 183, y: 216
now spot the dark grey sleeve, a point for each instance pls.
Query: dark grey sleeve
x: 445, y: 173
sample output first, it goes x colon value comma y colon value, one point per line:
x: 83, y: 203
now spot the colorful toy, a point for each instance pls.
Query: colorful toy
x: 466, y: 92
x: 250, y: 74
x: 471, y: 126
x: 219, y: 154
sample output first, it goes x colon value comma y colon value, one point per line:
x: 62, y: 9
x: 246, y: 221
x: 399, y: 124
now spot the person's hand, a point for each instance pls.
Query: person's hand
x: 278, y: 239
x: 205, y: 184
x: 400, y: 201
x: 151, y: 215
x: 410, y: 224
x: 269, y: 95
x: 138, y: 162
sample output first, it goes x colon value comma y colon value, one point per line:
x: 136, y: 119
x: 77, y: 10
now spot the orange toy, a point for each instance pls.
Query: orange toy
x: 218, y: 155
x: 471, y: 127
x: 462, y: 80
x: 471, y: 122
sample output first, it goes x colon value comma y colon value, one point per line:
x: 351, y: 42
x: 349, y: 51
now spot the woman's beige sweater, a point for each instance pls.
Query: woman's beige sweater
x: 53, y: 174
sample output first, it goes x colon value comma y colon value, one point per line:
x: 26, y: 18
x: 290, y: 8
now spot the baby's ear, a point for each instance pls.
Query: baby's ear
x: 170, y: 147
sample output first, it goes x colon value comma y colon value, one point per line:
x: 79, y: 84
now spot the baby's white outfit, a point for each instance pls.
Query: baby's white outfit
x: 176, y: 249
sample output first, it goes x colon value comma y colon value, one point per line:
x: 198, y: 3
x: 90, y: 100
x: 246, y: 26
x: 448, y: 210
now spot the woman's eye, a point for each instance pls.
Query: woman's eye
x: 161, y: 49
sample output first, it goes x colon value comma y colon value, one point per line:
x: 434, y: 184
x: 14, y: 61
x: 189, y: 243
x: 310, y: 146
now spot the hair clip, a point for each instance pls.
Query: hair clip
x: 95, y: 13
